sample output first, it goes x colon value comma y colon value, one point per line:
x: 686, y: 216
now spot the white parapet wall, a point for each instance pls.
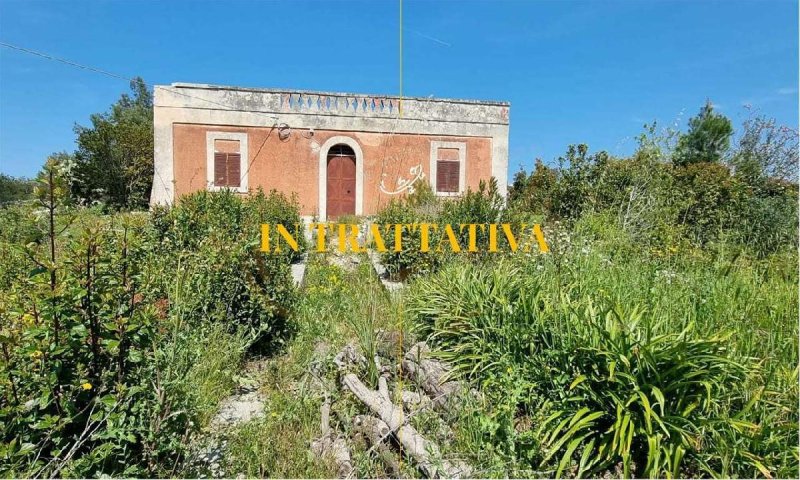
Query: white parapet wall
x: 251, y: 107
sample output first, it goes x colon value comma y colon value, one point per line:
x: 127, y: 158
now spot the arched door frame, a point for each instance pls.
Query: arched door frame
x: 323, y: 174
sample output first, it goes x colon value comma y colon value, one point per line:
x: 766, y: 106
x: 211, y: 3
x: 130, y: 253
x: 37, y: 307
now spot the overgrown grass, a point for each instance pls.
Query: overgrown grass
x: 651, y: 363
x: 337, y: 306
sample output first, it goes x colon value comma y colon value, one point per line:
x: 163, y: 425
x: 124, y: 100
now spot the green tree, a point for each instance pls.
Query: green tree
x: 15, y: 189
x: 114, y: 161
x: 533, y: 193
x: 575, y: 188
x: 708, y: 138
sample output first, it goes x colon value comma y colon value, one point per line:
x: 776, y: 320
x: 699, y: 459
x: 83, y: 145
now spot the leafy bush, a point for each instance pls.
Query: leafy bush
x: 707, y: 195
x: 676, y: 188
x: 76, y: 336
x: 15, y: 189
x: 118, y: 342
x: 421, y: 206
x: 479, y: 207
x: 768, y: 223
x: 217, y: 237
x: 533, y: 193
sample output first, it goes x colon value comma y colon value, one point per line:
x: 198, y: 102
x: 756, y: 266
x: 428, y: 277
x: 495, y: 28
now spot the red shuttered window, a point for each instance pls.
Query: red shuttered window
x: 447, y: 174
x: 227, y: 170
x: 448, y: 170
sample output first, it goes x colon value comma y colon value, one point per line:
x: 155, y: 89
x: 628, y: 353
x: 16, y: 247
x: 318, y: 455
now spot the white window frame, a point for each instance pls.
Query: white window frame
x: 212, y: 137
x: 462, y: 169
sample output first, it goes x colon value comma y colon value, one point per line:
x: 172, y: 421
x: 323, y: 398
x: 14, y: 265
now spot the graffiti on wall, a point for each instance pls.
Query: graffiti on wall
x: 403, y: 184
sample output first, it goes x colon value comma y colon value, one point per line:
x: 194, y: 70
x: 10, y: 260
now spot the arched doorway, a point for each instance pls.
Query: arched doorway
x: 341, y: 181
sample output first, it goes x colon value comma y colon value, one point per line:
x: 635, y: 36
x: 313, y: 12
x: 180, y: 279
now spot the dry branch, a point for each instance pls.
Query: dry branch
x: 429, y: 374
x: 424, y: 452
x: 383, y: 387
x: 329, y: 444
x: 377, y: 434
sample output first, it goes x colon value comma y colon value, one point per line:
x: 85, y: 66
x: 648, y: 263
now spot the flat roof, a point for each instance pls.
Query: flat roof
x: 206, y: 86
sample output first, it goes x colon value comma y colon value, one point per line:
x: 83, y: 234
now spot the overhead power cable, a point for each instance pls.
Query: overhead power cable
x: 110, y: 74
x: 63, y: 60
x: 129, y: 79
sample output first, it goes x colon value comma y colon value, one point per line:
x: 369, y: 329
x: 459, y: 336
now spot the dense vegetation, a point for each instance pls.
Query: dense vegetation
x: 14, y: 189
x: 658, y: 337
x: 120, y: 334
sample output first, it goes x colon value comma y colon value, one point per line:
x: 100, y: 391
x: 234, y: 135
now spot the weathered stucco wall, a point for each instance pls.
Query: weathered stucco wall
x: 292, y: 165
x: 389, y: 144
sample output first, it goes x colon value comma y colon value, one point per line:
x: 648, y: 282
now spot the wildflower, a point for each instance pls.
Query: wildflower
x: 510, y: 370
x: 37, y: 354
x: 86, y: 386
x: 274, y: 415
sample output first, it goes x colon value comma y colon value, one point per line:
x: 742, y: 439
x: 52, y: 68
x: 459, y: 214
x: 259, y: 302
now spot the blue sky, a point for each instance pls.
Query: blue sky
x: 574, y: 71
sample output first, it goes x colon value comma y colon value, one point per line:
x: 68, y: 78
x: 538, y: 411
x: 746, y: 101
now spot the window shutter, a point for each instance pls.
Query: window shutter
x: 447, y: 176
x: 220, y: 169
x: 234, y: 170
x: 455, y: 170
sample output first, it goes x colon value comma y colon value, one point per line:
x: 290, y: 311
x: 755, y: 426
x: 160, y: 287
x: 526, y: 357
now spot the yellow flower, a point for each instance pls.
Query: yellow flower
x: 37, y: 354
x: 86, y: 386
x: 273, y: 415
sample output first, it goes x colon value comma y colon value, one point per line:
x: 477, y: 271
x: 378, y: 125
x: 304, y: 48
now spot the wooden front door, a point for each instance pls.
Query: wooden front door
x: 341, y: 185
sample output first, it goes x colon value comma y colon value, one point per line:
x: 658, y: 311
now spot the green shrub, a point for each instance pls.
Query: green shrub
x: 533, y: 193
x: 76, y: 338
x: 766, y: 218
x: 480, y: 207
x: 227, y: 214
x: 706, y: 199
x: 578, y: 175
x: 410, y: 260
x: 14, y: 189
x: 118, y: 343
x: 217, y: 237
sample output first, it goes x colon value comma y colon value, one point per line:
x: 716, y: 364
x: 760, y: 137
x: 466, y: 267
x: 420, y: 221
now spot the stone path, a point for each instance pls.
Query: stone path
x: 245, y: 405
x: 382, y: 273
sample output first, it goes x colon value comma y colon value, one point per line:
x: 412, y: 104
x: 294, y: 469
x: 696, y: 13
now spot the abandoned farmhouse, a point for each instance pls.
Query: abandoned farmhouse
x: 339, y: 153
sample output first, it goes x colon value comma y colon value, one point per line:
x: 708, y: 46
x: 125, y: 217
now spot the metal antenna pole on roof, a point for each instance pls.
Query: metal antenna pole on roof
x: 400, y: 104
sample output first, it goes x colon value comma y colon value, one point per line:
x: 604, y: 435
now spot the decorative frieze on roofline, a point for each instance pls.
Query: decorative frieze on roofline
x: 211, y: 97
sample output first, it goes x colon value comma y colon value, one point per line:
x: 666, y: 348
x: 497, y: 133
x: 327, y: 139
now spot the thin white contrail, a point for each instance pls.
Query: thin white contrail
x: 433, y: 39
